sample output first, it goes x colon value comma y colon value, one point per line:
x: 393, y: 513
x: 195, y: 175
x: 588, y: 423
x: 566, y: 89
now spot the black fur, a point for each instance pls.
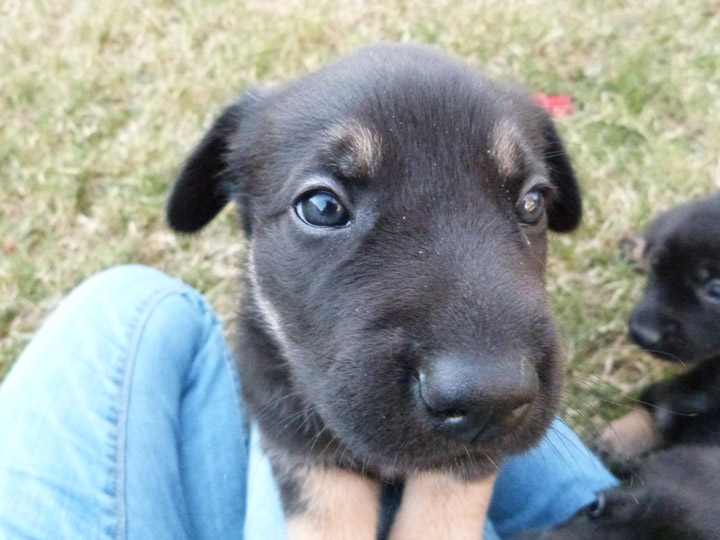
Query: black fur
x: 202, y: 189
x: 673, y: 496
x: 434, y: 264
x: 686, y: 408
x: 679, y: 320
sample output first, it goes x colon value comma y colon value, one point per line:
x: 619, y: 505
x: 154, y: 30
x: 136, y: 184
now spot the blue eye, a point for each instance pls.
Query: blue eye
x: 531, y: 207
x: 321, y: 208
x: 713, y: 289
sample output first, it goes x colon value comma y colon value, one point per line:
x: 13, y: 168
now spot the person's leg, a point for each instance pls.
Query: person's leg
x: 121, y: 419
x: 265, y: 519
x: 548, y: 484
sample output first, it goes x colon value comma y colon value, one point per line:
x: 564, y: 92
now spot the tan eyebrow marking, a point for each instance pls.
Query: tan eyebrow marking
x: 506, y: 147
x: 358, y: 146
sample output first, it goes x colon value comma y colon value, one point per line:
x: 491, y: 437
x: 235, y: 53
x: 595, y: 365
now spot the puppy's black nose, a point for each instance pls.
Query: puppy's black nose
x: 648, y: 337
x: 474, y: 399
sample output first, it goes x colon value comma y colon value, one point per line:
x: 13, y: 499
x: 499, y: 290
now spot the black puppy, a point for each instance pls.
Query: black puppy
x: 678, y: 319
x: 395, y: 323
x: 674, y: 496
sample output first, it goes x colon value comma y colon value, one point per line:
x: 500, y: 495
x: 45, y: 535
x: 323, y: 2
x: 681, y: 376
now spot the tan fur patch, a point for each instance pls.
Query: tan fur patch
x: 269, y: 314
x: 438, y: 506
x: 363, y: 144
x: 505, y: 146
x: 340, y: 505
x: 630, y: 436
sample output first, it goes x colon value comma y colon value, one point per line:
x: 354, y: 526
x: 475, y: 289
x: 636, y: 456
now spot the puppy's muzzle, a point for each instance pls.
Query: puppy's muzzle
x: 473, y: 400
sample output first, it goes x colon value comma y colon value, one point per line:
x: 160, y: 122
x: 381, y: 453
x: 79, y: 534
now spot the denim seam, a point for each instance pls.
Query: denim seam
x: 231, y: 367
x: 138, y: 328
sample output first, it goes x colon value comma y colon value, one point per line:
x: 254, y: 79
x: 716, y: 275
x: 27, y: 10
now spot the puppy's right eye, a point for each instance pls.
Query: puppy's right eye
x: 321, y: 208
x: 713, y: 289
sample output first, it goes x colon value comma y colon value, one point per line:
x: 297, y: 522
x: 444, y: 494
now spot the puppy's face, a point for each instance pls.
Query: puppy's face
x: 397, y: 205
x: 678, y: 318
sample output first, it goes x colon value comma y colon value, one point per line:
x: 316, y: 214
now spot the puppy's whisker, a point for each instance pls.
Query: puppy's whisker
x: 487, y: 456
x: 613, y: 402
x: 270, y: 406
x: 587, y: 423
x: 314, y: 440
x: 322, y: 452
x: 345, y: 449
x: 550, y: 443
x: 664, y: 409
x: 586, y: 146
x: 547, y: 155
x: 267, y: 408
x: 634, y: 348
x: 471, y: 457
x: 594, y: 384
x: 306, y: 414
x: 578, y: 448
x: 641, y: 402
x: 668, y: 355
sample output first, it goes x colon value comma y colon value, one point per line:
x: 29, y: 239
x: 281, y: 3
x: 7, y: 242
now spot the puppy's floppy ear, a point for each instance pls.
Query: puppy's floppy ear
x: 201, y: 189
x: 566, y: 211
x: 203, y: 186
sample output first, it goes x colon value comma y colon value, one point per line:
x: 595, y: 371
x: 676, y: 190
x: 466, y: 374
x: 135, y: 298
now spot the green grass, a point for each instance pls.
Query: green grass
x: 102, y: 100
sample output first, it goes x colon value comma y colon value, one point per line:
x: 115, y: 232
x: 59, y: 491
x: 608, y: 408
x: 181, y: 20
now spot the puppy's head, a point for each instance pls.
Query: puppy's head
x: 397, y: 205
x: 678, y: 317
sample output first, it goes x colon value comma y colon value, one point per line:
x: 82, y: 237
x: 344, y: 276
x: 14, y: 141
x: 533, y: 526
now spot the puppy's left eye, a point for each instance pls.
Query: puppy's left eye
x: 531, y: 207
x: 321, y: 208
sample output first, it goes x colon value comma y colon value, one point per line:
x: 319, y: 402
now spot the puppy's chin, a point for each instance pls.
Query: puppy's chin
x: 440, y: 453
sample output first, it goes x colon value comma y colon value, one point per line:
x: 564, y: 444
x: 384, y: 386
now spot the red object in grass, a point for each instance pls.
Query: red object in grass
x: 554, y: 105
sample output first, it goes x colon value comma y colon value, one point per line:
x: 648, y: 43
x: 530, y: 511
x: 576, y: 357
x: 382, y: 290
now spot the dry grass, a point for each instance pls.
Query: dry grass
x: 102, y: 100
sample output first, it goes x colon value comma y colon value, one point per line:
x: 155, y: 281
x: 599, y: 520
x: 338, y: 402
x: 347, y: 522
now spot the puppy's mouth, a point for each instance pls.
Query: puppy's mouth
x: 437, y: 423
x: 436, y: 450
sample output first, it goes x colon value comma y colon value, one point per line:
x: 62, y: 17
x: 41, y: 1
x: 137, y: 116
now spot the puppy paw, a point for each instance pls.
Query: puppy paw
x: 333, y: 504
x: 628, y: 437
x: 439, y: 506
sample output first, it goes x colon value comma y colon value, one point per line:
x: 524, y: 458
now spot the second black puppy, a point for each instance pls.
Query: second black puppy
x: 674, y: 496
x: 678, y: 319
x: 395, y: 323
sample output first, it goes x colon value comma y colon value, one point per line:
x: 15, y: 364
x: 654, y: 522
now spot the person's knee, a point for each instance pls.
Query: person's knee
x: 122, y: 290
x: 123, y: 283
x: 119, y: 279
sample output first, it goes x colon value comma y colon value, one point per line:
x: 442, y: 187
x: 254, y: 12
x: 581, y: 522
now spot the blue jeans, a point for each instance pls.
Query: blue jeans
x: 122, y: 419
